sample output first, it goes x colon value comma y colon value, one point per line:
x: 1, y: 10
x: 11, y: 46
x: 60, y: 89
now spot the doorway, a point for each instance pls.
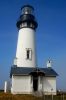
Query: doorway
x: 35, y: 83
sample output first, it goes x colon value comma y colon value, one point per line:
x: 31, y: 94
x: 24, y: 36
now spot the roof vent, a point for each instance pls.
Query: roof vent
x: 49, y: 63
x: 15, y: 61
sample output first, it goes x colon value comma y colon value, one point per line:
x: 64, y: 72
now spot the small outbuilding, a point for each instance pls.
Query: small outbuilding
x: 28, y: 80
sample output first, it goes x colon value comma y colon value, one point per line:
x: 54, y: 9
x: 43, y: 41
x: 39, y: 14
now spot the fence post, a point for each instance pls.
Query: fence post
x: 52, y: 93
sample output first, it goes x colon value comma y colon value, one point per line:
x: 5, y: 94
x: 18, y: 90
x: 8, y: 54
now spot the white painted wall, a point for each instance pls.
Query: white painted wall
x: 40, y: 82
x: 24, y: 85
x: 21, y: 85
x: 26, y: 39
x: 49, y: 85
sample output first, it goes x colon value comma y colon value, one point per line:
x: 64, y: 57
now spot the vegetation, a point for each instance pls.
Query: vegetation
x: 8, y: 96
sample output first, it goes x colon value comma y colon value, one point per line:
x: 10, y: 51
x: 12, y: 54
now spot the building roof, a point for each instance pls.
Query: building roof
x: 27, y: 71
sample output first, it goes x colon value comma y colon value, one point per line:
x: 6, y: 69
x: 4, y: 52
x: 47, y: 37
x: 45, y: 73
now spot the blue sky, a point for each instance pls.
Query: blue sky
x: 50, y: 35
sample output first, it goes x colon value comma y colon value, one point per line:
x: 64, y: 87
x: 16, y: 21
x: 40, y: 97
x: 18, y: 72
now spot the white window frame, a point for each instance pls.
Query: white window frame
x: 30, y: 53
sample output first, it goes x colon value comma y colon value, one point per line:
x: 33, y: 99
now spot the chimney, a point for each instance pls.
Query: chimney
x: 49, y: 64
x: 15, y: 61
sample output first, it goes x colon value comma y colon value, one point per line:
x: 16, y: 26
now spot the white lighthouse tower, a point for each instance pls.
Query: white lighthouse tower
x: 26, y: 77
x: 26, y: 51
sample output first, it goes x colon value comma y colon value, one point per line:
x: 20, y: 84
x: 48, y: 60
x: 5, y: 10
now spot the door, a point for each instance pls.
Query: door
x: 35, y: 83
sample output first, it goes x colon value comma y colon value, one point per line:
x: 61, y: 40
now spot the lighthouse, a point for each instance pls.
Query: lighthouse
x: 26, y: 76
x: 26, y: 49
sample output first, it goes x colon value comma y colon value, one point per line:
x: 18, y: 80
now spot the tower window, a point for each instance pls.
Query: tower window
x: 29, y: 53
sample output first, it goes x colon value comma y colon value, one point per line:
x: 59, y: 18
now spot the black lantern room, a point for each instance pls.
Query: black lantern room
x: 27, y: 18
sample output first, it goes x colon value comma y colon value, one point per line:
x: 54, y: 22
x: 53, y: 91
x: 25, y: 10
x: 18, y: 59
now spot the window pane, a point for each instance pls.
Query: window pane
x: 29, y: 54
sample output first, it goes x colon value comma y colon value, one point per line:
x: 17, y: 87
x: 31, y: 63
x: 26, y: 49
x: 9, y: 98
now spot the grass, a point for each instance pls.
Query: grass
x: 9, y: 96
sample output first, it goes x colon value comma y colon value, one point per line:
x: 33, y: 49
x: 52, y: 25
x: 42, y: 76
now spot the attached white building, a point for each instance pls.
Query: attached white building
x: 26, y: 76
x: 28, y: 80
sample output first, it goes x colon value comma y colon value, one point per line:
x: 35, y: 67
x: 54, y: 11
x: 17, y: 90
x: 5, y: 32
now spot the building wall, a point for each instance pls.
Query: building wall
x: 24, y: 85
x: 26, y: 40
x: 21, y: 84
x: 40, y: 83
x: 49, y: 85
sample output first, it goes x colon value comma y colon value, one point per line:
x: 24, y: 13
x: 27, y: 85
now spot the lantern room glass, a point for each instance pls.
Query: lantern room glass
x: 27, y: 10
